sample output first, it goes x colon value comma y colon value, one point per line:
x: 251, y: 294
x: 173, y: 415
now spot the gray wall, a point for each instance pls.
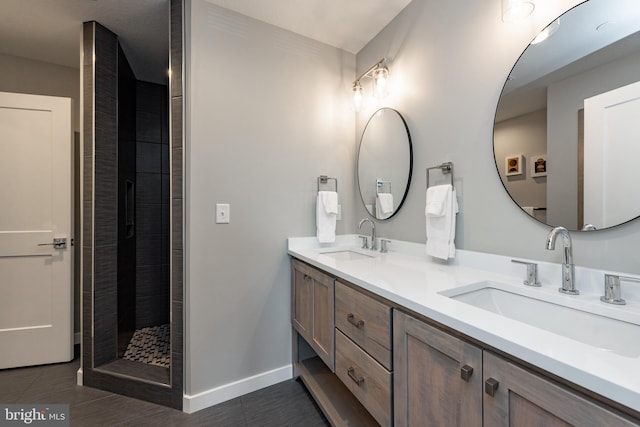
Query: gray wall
x: 526, y: 135
x: 449, y: 61
x: 267, y: 112
x: 24, y: 75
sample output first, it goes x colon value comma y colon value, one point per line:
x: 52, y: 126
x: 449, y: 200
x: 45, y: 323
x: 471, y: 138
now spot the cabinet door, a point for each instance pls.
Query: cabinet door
x: 517, y: 397
x: 312, y: 309
x: 301, y: 301
x: 323, y: 318
x: 437, y: 377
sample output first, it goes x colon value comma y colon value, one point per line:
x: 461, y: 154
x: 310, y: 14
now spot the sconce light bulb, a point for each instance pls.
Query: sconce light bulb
x: 357, y: 96
x: 380, y: 77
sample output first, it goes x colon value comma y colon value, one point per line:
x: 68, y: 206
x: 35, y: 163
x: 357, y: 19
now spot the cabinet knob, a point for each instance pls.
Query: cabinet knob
x: 491, y: 386
x: 307, y: 278
x: 357, y: 323
x: 356, y: 379
x: 465, y: 372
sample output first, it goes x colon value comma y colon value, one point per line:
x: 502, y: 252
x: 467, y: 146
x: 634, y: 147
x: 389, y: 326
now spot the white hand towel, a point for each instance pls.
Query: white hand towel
x: 329, y: 201
x: 326, y: 215
x: 441, y: 230
x: 437, y: 200
x: 384, y: 205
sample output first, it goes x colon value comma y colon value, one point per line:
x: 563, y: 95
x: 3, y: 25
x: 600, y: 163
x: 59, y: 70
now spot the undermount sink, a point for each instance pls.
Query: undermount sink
x: 346, y: 255
x: 600, y: 331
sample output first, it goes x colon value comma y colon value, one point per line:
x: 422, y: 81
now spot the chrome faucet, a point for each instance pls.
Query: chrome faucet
x: 568, y: 269
x: 373, y: 232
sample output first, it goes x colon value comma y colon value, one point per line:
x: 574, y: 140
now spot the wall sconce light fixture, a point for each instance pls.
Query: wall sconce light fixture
x: 515, y: 10
x: 379, y: 73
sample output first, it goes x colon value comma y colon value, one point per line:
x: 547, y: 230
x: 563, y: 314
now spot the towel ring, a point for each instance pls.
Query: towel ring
x: 446, y: 168
x: 324, y: 179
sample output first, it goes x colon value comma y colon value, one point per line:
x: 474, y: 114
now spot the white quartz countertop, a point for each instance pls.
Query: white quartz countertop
x: 408, y: 277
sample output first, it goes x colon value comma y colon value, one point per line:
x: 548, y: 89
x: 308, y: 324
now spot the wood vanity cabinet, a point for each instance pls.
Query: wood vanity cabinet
x: 515, y: 396
x: 378, y: 365
x: 363, y: 350
x: 438, y: 377
x: 442, y: 380
x: 312, y: 308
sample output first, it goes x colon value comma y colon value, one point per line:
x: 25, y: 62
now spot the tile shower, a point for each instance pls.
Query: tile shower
x: 132, y: 262
x: 143, y: 220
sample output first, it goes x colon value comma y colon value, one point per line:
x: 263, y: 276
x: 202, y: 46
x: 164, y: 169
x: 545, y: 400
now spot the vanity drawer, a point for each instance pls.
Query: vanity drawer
x: 366, y: 321
x: 367, y: 380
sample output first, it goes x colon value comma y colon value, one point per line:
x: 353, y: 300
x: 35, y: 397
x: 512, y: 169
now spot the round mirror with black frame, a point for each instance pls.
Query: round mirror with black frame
x: 566, y: 130
x: 384, y: 163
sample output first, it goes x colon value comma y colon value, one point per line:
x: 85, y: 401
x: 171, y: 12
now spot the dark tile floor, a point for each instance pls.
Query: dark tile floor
x: 284, y: 404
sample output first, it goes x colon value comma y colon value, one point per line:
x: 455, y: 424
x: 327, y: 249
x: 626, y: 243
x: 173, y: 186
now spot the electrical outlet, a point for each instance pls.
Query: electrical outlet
x: 222, y: 213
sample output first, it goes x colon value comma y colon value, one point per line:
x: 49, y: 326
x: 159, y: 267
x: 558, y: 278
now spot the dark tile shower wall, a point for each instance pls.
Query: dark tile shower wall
x: 126, y: 190
x: 152, y: 205
x: 177, y: 202
x: 105, y: 162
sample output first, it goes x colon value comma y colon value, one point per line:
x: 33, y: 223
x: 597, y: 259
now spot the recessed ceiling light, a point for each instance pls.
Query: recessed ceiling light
x: 604, y: 26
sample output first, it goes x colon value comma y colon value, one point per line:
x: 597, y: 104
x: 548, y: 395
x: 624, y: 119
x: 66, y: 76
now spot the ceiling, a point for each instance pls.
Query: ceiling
x: 348, y: 25
x: 50, y: 30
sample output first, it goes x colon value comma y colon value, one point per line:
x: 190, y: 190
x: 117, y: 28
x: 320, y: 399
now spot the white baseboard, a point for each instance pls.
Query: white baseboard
x: 79, y: 377
x: 191, y: 404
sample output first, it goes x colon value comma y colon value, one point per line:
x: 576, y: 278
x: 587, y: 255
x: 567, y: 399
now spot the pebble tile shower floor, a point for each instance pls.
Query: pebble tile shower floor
x: 150, y: 345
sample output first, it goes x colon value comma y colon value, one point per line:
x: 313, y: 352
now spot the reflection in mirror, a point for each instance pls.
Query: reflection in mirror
x: 385, y: 160
x: 568, y: 117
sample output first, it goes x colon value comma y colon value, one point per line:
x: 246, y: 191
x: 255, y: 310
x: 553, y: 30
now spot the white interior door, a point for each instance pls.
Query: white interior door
x: 36, y: 281
x: 611, y: 154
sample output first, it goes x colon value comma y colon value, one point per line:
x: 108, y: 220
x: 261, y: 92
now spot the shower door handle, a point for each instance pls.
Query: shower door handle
x: 58, y: 243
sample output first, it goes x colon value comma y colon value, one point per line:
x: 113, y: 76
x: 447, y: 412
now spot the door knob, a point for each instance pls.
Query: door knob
x: 58, y: 243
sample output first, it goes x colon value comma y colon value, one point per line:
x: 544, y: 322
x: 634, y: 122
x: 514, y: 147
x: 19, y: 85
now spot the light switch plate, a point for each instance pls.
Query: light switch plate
x: 222, y: 213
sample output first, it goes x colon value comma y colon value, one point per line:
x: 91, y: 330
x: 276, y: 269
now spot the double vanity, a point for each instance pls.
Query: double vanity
x: 397, y: 339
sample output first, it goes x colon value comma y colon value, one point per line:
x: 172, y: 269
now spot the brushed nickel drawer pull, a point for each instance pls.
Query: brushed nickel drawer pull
x: 465, y: 372
x: 357, y: 323
x: 352, y: 374
x: 491, y: 386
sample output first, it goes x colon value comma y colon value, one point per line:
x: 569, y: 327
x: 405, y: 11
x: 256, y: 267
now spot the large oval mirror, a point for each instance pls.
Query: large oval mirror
x: 385, y: 160
x: 567, y: 128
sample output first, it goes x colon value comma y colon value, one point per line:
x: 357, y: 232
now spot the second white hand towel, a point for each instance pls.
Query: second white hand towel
x: 441, y: 229
x: 384, y: 205
x: 326, y: 215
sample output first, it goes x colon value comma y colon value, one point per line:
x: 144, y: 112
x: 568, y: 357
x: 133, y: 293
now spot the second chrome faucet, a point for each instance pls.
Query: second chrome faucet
x: 568, y: 268
x: 373, y: 232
